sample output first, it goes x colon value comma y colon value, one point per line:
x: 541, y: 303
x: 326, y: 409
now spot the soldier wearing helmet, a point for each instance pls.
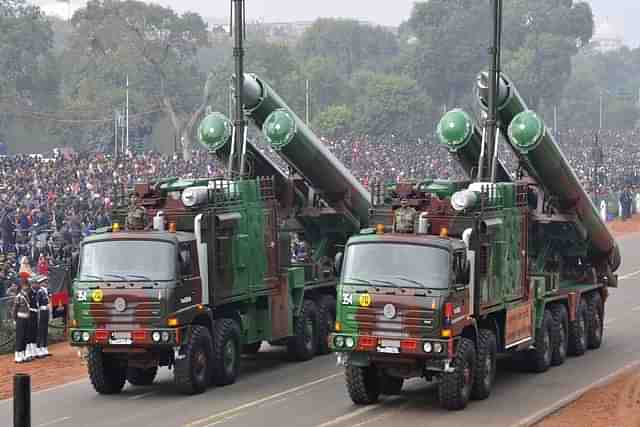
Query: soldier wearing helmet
x: 137, y: 216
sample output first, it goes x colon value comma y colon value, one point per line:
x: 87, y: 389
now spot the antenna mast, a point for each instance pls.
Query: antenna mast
x: 487, y: 171
x: 238, y: 29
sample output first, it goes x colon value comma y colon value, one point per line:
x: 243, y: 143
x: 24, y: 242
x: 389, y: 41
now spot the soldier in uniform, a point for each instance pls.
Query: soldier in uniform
x: 405, y: 217
x: 42, y: 297
x: 137, y: 216
x: 32, y: 330
x: 21, y: 313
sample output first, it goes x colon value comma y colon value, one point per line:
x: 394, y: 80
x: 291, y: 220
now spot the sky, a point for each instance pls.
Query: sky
x: 617, y: 18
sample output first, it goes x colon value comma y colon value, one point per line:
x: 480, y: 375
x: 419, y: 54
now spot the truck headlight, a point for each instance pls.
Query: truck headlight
x: 86, y: 336
x: 339, y: 341
x: 427, y: 347
x: 437, y: 347
x: 77, y: 335
x: 350, y: 342
x: 155, y: 336
x: 165, y: 336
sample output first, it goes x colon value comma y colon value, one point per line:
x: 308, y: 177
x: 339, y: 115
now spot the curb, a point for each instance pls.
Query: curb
x: 544, y: 413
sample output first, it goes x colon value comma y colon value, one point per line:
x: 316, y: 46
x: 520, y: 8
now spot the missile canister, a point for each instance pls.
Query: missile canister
x: 302, y: 150
x: 549, y: 167
x: 463, y: 139
x: 509, y: 101
x: 215, y: 132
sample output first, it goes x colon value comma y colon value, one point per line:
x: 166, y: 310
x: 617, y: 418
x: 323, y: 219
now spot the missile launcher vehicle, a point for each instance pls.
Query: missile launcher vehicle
x: 452, y: 274
x: 196, y: 272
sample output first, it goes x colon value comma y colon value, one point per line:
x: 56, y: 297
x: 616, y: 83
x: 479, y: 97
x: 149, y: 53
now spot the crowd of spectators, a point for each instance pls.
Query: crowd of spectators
x: 69, y: 195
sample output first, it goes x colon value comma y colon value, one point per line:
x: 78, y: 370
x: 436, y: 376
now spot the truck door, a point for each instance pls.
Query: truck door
x: 188, y: 291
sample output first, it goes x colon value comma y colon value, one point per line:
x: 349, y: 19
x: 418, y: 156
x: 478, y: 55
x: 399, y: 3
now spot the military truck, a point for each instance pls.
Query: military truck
x: 519, y: 265
x: 210, y: 273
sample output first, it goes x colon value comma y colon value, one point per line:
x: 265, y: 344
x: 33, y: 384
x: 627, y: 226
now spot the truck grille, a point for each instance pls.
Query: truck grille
x: 406, y: 323
x: 136, y: 314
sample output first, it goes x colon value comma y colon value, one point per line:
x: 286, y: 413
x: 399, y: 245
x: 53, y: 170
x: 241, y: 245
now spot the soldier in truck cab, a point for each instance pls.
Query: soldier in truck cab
x: 137, y: 216
x: 404, y: 217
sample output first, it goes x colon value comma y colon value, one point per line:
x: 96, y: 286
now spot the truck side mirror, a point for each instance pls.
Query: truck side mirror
x: 337, y: 263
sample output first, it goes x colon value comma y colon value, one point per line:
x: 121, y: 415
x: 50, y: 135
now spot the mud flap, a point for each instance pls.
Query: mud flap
x: 358, y: 359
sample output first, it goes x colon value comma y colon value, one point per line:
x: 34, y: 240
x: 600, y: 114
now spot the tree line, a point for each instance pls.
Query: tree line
x: 62, y: 80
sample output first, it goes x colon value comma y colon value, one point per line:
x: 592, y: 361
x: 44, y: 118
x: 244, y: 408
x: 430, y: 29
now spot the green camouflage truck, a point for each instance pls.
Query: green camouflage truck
x: 213, y: 275
x: 513, y: 266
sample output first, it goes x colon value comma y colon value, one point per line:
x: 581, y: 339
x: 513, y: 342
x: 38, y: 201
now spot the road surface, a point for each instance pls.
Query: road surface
x: 273, y: 392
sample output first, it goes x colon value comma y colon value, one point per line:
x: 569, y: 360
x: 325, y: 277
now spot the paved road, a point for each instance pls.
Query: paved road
x: 272, y: 392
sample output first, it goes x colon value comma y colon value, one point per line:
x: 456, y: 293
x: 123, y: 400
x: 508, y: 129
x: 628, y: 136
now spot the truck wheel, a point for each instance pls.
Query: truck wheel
x: 560, y: 336
x: 226, y: 360
x: 252, y: 348
x: 193, y: 372
x: 595, y: 311
x: 485, y: 367
x: 326, y: 321
x: 389, y: 385
x: 540, y: 357
x: 578, y: 331
x: 140, y: 376
x: 455, y: 387
x: 107, y: 374
x: 363, y: 384
x: 304, y: 344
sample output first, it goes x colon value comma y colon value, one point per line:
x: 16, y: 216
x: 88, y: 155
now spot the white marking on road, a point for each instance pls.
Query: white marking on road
x: 609, y: 322
x: 630, y: 275
x: 381, y: 416
x: 224, y: 420
x: 636, y: 308
x: 357, y: 413
x: 273, y: 403
x: 142, y: 396
x: 258, y: 402
x: 543, y: 413
x: 56, y: 421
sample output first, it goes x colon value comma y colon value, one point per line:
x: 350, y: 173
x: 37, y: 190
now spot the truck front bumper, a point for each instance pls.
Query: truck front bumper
x: 143, y: 338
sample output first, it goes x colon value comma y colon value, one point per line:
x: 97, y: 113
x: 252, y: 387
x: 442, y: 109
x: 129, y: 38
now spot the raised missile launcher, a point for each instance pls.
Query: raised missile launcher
x: 195, y: 272
x: 461, y: 272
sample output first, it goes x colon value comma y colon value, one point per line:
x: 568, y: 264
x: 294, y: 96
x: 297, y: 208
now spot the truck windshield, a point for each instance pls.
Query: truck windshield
x: 394, y: 264
x: 120, y: 260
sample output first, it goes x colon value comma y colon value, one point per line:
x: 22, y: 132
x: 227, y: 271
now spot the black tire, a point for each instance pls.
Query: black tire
x: 595, y: 319
x: 192, y: 373
x: 363, y: 384
x: 226, y: 350
x: 141, y: 377
x: 578, y: 330
x: 560, y: 336
x: 326, y: 322
x: 253, y: 348
x: 390, y: 386
x: 304, y: 344
x: 540, y: 358
x: 455, y: 387
x: 107, y: 374
x: 485, y: 367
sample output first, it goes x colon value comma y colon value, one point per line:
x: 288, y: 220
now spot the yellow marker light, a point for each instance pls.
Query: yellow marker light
x: 97, y: 295
x: 446, y: 333
x: 338, y: 326
x: 115, y: 227
x: 444, y: 232
x: 73, y: 323
x: 380, y: 229
x: 172, y: 227
x: 172, y: 322
x: 365, y: 300
x: 200, y: 306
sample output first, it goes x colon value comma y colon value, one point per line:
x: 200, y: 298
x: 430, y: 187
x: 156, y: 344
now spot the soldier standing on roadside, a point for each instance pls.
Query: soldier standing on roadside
x: 42, y: 298
x: 21, y: 313
x: 32, y: 333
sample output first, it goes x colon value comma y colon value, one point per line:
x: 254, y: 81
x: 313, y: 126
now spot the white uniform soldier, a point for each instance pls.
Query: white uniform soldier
x: 44, y: 309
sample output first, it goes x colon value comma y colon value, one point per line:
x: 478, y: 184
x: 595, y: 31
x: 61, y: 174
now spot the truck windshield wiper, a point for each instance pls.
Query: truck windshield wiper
x: 415, y: 282
x: 139, y: 276
x: 116, y: 275
x: 357, y: 279
x: 93, y: 276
